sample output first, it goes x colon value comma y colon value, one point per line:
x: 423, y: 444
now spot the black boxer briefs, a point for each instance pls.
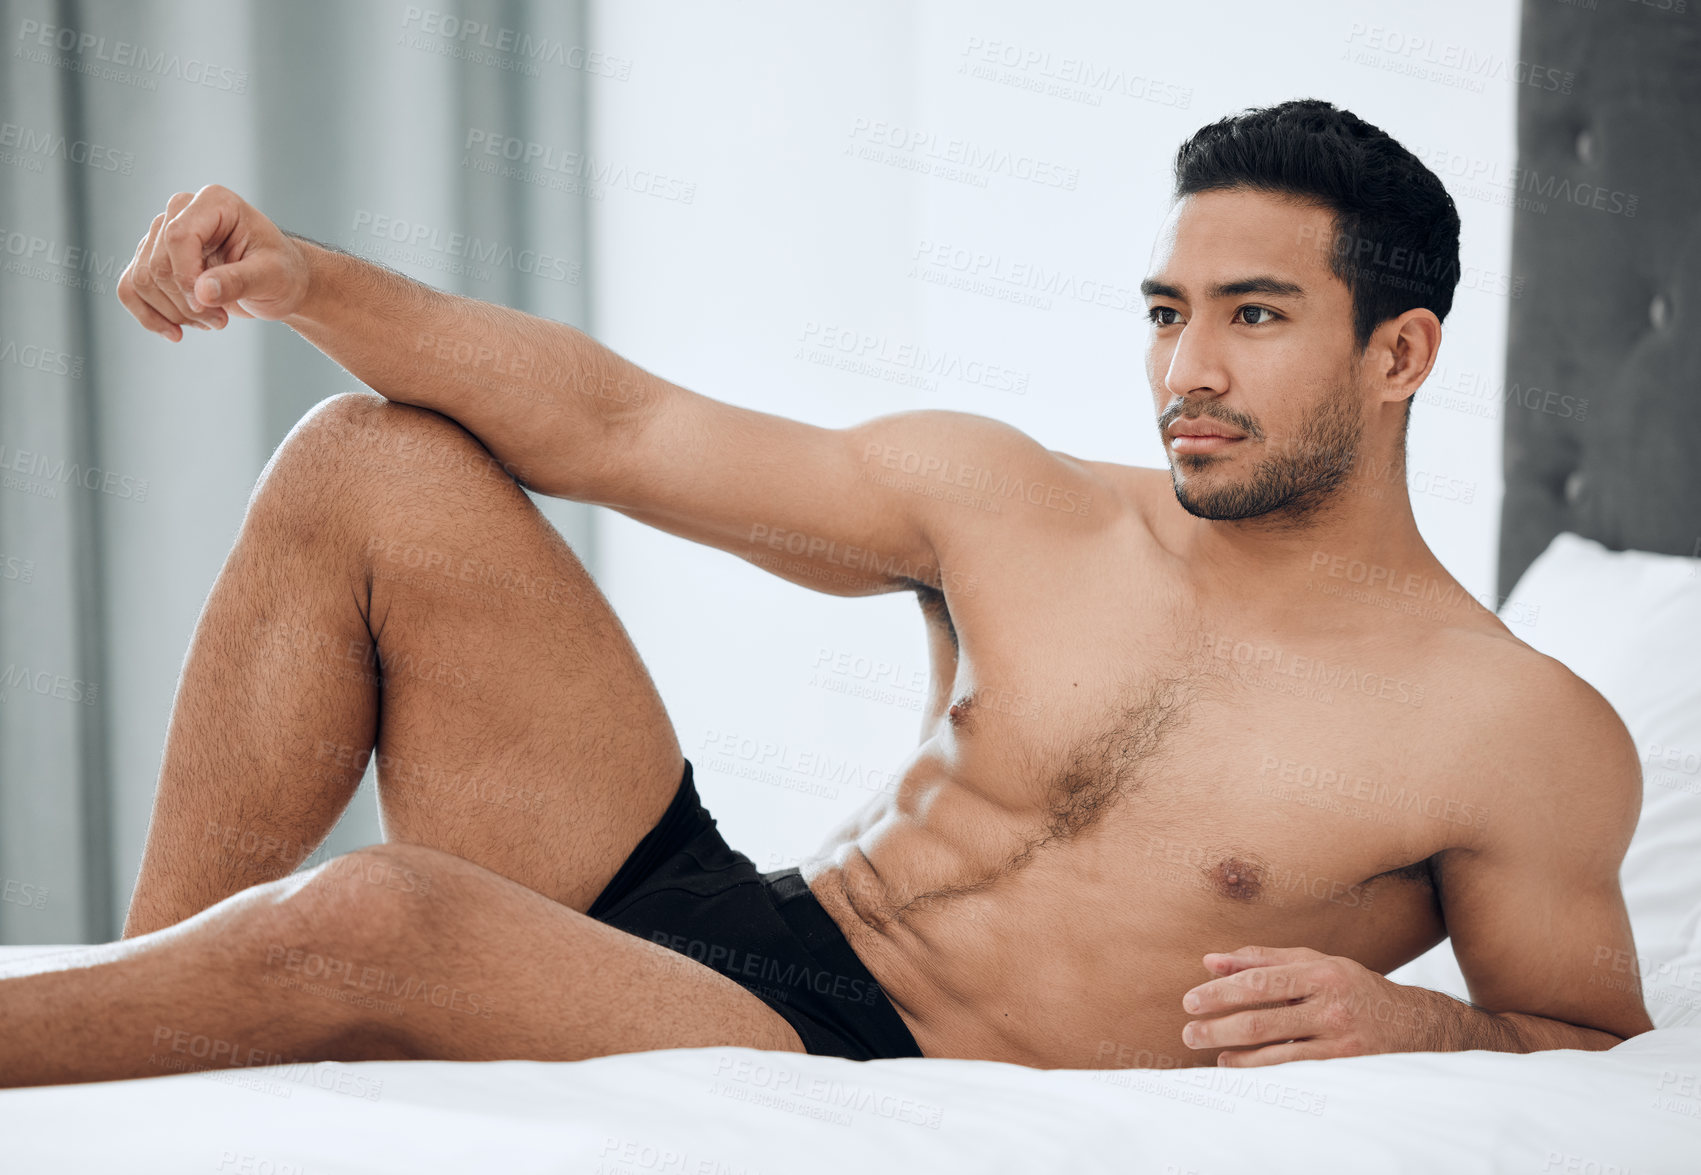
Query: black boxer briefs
x: 684, y: 887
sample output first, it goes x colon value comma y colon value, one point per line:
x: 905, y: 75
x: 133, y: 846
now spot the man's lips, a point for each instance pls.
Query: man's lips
x: 1201, y: 435
x: 1192, y: 444
x: 1201, y: 427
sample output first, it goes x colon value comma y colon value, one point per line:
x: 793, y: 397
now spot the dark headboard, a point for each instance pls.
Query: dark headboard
x: 1606, y: 235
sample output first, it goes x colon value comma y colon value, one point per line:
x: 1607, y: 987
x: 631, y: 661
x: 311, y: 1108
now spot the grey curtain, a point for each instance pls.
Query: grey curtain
x: 126, y: 460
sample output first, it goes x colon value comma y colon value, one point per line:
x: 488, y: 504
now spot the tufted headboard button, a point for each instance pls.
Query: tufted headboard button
x: 1659, y: 311
x: 1610, y: 309
x: 1573, y: 487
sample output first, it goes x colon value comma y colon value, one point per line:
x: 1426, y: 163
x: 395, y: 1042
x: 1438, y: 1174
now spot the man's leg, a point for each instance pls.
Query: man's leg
x: 355, y: 960
x: 390, y: 581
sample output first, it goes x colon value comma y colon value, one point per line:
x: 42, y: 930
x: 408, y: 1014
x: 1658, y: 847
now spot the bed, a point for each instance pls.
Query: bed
x: 1601, y: 550
x: 738, y: 1112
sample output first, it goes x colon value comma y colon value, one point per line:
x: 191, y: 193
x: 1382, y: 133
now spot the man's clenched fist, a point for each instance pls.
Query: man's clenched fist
x: 210, y: 255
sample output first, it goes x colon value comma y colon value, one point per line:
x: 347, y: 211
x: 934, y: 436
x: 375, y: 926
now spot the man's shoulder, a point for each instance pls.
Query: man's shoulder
x: 1141, y: 480
x: 1512, y: 678
x: 1142, y: 491
x: 1547, y: 729
x: 975, y: 476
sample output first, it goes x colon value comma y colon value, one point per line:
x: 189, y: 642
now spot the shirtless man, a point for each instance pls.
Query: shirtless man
x: 1207, y: 750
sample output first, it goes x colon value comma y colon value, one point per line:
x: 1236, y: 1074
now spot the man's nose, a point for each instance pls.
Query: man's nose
x: 1196, y: 367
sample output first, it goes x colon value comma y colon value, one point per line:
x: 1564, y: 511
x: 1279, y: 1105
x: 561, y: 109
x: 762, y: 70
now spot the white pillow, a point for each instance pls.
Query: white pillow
x: 1629, y: 624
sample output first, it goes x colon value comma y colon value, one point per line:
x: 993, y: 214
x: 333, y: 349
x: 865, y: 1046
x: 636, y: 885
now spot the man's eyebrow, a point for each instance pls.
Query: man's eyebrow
x: 1273, y: 286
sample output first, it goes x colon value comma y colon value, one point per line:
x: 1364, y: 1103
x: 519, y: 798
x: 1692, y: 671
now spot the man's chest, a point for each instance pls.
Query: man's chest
x: 1215, y: 759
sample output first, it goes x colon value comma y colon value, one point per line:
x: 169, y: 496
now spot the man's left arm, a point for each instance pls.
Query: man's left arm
x: 1534, y: 910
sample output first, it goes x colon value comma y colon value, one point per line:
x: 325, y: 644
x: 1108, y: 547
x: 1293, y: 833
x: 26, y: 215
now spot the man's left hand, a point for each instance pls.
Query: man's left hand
x: 1275, y: 1004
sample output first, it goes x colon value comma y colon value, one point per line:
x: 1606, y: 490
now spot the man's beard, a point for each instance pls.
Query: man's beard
x: 1307, y: 470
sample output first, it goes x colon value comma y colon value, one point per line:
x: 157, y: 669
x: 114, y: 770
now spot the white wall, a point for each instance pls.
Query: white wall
x: 759, y: 107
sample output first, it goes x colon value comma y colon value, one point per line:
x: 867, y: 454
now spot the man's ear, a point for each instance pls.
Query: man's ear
x: 1402, y: 351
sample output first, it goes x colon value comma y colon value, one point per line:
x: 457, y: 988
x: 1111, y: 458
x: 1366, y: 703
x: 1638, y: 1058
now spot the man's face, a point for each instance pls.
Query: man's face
x: 1252, y: 338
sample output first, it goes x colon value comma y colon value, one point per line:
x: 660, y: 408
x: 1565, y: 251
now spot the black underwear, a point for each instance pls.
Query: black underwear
x: 685, y: 888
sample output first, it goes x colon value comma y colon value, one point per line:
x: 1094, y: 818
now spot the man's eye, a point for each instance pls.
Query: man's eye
x: 1258, y: 310
x: 1154, y: 313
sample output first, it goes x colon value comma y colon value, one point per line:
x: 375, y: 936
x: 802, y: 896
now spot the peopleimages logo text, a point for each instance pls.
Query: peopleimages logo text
x: 140, y: 58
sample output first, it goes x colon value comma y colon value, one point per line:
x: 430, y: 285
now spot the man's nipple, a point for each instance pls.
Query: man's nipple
x: 1238, y: 879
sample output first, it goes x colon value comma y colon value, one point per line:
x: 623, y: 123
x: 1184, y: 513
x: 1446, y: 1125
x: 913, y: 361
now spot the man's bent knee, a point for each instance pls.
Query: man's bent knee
x: 335, y: 943
x: 356, y: 459
x: 371, y: 433
x: 405, y: 873
x: 364, y: 907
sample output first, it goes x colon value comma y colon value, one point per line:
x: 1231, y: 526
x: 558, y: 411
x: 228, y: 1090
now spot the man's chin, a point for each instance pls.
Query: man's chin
x: 1232, y: 503
x: 1222, y: 502
x: 1209, y: 506
x: 1210, y: 511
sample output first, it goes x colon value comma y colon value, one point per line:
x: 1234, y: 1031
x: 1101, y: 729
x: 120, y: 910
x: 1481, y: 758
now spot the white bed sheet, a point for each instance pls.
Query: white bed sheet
x: 1634, y: 1110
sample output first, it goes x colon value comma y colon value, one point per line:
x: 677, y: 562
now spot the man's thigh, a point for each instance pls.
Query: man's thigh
x: 493, y: 970
x: 518, y: 727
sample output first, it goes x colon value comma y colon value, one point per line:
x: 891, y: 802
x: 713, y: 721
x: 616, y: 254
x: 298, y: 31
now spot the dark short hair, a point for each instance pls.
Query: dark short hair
x: 1396, y: 243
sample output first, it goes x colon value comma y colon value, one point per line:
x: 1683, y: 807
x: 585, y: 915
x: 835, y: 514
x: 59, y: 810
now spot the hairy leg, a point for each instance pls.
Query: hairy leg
x: 392, y: 585
x: 356, y: 960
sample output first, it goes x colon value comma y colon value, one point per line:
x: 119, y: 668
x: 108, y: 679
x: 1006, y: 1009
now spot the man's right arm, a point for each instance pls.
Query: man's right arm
x: 542, y: 396
x: 570, y: 418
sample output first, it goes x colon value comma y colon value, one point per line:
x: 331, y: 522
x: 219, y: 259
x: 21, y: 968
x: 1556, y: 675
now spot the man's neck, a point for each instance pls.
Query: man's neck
x: 1275, y: 562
